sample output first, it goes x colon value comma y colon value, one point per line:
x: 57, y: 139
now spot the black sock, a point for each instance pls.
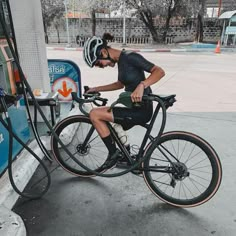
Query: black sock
x: 128, y: 148
x: 110, y: 144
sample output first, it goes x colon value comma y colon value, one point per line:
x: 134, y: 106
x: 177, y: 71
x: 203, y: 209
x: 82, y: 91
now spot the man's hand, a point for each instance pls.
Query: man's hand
x: 92, y: 90
x: 137, y: 95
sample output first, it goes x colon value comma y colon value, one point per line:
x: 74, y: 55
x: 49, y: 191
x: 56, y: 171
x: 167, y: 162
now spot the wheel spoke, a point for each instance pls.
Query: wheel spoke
x: 156, y: 159
x: 197, y: 163
x: 197, y: 182
x: 201, y: 167
x: 174, y: 148
x: 188, y: 190
x: 200, y: 177
x: 193, y: 156
x: 190, y: 154
x: 183, y: 185
x: 167, y: 152
x: 93, y: 139
x: 162, y: 183
x: 183, y: 151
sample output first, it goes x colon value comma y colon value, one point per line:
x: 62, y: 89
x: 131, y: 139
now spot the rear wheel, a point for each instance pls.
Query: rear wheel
x: 82, y: 140
x: 191, y: 170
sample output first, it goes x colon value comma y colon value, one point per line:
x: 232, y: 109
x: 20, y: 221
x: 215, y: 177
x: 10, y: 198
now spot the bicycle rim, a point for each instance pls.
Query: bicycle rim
x: 199, y: 169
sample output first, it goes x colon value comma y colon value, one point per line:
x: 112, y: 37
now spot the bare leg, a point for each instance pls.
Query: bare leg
x: 98, y: 117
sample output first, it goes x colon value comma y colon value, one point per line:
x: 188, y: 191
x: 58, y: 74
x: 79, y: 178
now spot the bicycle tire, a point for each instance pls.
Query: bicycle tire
x: 72, y: 132
x: 197, y: 155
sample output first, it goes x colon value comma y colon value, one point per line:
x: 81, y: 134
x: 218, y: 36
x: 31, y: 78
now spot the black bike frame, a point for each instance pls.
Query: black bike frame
x: 154, y: 140
x: 147, y: 135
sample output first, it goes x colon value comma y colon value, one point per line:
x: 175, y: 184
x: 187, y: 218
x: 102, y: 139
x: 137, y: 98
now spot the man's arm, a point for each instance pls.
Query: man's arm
x: 156, y: 74
x: 108, y: 87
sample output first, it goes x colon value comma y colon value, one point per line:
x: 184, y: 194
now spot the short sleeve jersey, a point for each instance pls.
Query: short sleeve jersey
x: 131, y: 68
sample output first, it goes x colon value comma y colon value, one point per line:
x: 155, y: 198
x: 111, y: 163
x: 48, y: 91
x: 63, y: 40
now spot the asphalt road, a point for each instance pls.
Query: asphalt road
x: 206, y: 105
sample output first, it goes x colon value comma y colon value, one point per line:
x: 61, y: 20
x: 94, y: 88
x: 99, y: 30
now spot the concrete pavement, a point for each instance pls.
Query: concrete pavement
x: 125, y: 205
x: 11, y: 223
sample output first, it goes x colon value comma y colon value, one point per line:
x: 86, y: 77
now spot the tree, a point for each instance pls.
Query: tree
x: 51, y: 10
x: 227, y: 5
x: 166, y: 9
x: 174, y: 8
x: 57, y: 23
x: 92, y: 7
x: 200, y: 20
x: 145, y: 11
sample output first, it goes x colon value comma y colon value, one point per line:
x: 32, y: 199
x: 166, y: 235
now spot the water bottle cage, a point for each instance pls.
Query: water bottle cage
x: 121, y: 133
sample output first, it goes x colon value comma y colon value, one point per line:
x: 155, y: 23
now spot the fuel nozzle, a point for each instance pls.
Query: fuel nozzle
x: 2, y: 92
x: 5, y: 100
x: 3, y: 106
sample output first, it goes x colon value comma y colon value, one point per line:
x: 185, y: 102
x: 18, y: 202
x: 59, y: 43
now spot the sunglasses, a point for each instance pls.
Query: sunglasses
x: 99, y: 64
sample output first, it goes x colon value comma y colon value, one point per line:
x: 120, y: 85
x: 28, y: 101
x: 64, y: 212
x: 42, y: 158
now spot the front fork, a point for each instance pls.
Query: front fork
x: 87, y: 139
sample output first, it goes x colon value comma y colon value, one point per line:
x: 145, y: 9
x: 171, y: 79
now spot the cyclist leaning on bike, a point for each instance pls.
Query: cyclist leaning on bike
x: 131, y: 68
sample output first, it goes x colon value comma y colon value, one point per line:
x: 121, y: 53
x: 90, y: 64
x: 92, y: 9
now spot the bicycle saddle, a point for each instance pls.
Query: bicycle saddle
x: 165, y: 98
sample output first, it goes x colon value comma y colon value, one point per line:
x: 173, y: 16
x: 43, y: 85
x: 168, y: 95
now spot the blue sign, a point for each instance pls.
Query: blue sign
x: 20, y: 128
x: 65, y: 78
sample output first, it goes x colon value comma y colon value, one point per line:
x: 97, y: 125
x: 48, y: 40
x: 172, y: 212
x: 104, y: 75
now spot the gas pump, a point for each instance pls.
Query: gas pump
x: 24, y: 91
x: 14, y: 129
x: 9, y: 82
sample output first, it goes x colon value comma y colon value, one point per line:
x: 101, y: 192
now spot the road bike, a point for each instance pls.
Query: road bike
x: 180, y: 168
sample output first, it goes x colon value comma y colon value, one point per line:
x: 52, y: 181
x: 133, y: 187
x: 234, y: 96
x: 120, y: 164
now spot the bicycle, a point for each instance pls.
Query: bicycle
x: 174, y: 164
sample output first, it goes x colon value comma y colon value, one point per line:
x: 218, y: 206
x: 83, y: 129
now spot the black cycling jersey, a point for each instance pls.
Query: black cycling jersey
x: 131, y: 67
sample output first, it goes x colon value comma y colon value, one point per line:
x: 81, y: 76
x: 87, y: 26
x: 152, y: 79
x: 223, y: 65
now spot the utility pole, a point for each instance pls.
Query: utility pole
x: 219, y: 7
x: 219, y: 11
x: 67, y: 25
x: 124, y: 16
x: 75, y: 8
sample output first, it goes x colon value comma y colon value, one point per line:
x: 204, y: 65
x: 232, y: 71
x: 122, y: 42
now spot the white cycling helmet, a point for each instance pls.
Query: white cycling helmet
x: 92, y: 48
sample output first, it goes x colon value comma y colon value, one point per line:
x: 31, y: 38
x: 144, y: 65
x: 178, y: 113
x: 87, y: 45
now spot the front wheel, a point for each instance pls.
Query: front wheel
x: 82, y: 140
x: 183, y: 170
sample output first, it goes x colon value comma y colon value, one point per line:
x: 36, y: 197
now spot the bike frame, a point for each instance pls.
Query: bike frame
x: 147, y: 136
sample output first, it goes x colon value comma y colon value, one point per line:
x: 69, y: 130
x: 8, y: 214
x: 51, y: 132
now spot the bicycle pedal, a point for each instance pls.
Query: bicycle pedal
x: 137, y: 172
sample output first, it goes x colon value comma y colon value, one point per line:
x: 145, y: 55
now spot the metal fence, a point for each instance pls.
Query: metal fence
x: 129, y: 40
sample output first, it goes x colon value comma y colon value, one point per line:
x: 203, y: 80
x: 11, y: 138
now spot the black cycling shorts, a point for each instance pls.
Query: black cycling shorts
x: 129, y: 117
